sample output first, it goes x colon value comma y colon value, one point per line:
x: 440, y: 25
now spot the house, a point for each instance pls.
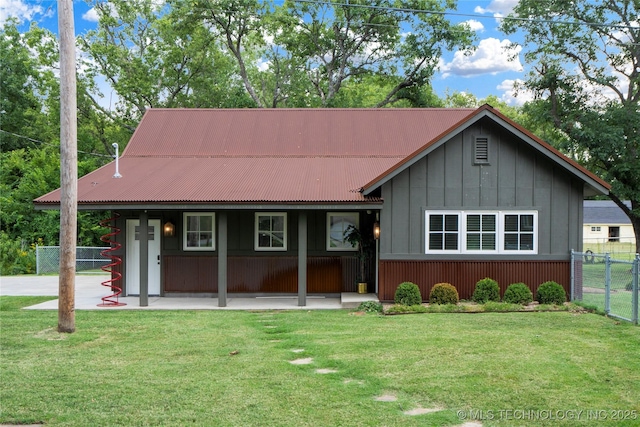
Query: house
x: 605, y: 222
x: 256, y: 201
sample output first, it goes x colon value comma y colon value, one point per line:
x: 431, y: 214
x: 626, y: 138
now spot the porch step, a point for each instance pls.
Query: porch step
x: 353, y: 299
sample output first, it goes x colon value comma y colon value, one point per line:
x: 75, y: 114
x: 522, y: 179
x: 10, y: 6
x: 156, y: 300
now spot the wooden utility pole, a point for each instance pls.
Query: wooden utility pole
x: 68, y: 168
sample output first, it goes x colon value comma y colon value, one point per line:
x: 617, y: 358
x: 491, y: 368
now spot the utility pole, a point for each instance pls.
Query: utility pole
x: 68, y: 168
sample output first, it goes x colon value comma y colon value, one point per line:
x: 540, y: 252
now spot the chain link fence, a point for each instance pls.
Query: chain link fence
x: 88, y: 259
x: 609, y: 284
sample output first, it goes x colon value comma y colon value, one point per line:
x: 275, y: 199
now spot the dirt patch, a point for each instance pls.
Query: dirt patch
x: 51, y: 334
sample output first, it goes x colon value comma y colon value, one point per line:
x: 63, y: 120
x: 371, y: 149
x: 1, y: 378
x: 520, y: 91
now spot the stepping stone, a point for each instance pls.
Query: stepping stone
x: 471, y: 424
x: 325, y: 371
x: 349, y: 381
x: 297, y: 350
x: 386, y: 398
x: 422, y: 411
x: 305, y: 361
x: 275, y: 340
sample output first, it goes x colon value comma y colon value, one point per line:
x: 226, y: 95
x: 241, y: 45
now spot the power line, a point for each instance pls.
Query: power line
x: 470, y: 15
x: 50, y: 144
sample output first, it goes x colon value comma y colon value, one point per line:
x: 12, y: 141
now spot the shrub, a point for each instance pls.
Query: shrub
x: 551, y: 293
x: 408, y: 293
x: 443, y: 293
x: 486, y: 290
x: 370, y: 307
x: 518, y: 293
x: 394, y: 309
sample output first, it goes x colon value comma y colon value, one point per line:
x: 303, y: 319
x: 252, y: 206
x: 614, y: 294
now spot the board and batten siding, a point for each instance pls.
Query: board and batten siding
x: 518, y: 177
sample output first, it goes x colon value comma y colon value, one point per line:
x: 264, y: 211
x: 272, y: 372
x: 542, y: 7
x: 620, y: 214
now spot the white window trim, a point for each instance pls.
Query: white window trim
x: 256, y: 232
x: 500, y: 232
x: 213, y: 231
x: 427, y: 233
x: 533, y: 251
x: 463, y: 247
x: 356, y: 217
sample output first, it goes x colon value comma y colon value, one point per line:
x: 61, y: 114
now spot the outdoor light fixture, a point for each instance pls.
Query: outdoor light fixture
x: 169, y: 229
x: 376, y: 230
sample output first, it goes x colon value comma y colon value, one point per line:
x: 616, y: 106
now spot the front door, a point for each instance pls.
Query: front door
x: 133, y: 257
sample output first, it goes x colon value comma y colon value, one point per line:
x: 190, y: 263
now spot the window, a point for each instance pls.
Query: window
x: 337, y: 224
x: 442, y: 232
x: 481, y: 232
x: 498, y: 232
x: 271, y: 231
x: 596, y: 228
x: 518, y: 232
x: 199, y: 231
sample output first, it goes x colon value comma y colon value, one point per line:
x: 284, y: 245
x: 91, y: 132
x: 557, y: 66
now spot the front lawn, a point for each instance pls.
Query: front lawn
x: 226, y: 368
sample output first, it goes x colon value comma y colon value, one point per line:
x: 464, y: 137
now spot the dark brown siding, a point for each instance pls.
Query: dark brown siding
x: 264, y: 274
x: 190, y: 274
x: 464, y: 275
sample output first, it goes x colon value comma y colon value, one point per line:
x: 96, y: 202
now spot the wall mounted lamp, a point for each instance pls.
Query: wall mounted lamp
x: 169, y: 229
x: 376, y: 230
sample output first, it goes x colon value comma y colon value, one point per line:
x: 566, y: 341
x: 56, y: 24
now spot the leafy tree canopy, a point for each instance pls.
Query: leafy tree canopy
x: 586, y: 78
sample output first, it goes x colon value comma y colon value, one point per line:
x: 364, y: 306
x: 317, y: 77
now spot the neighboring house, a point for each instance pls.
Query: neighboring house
x: 605, y: 222
x: 254, y: 201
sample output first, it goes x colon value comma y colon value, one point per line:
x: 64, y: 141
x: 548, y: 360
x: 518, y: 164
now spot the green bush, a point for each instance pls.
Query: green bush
x: 394, y: 309
x: 486, y: 290
x: 408, y: 293
x: 370, y: 307
x: 443, y: 293
x: 518, y: 293
x: 551, y: 293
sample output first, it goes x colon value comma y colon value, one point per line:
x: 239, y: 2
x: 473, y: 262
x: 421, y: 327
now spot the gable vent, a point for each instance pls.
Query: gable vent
x: 481, y: 150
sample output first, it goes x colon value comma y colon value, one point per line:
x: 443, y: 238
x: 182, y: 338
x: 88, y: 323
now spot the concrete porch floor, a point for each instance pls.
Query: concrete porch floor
x: 89, y: 293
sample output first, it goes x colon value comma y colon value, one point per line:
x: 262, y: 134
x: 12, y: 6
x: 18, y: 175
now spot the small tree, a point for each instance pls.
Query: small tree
x: 357, y: 239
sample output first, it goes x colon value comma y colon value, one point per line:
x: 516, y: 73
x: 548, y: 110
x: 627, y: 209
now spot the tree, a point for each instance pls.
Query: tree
x: 152, y: 58
x: 310, y: 50
x: 19, y: 103
x: 586, y: 77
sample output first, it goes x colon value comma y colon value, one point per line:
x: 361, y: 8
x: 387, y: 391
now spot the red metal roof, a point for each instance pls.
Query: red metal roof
x: 260, y: 155
x: 236, y: 156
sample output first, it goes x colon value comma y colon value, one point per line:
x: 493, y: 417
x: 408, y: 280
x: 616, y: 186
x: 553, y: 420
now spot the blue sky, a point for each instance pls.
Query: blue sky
x: 488, y: 71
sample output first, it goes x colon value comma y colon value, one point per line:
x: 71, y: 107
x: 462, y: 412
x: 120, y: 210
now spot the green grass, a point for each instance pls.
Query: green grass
x: 174, y: 368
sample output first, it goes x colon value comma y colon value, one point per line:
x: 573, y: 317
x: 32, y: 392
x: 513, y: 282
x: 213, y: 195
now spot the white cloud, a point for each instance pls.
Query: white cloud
x: 474, y: 25
x: 91, y: 15
x: 513, y: 93
x: 498, y: 7
x: 18, y: 9
x: 491, y: 57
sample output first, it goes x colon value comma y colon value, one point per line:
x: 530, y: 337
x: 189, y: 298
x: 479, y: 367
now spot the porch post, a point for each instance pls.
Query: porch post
x: 302, y: 259
x: 144, y: 259
x: 222, y: 259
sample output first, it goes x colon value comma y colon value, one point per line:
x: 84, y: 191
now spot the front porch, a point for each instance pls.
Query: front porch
x: 89, y: 293
x: 346, y: 300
